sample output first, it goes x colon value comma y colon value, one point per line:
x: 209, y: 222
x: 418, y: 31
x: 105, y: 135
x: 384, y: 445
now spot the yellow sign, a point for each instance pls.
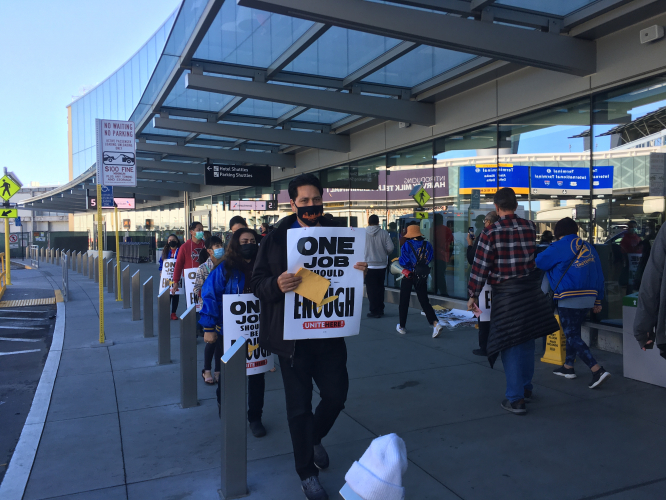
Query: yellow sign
x: 8, y: 187
x: 421, y: 197
x: 421, y: 215
x: 8, y: 213
x: 555, y: 346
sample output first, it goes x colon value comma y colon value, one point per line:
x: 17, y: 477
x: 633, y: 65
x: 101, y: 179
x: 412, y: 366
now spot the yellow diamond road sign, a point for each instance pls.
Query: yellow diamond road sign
x: 8, y: 213
x: 421, y: 197
x: 8, y: 187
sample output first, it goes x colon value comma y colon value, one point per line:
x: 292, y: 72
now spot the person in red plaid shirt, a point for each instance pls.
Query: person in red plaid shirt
x: 520, y: 311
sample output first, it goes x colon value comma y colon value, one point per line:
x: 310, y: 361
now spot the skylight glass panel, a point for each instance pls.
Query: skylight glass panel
x: 556, y: 7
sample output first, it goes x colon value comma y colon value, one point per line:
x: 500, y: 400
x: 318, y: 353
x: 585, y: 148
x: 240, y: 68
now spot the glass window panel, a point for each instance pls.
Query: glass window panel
x: 406, y: 169
x: 136, y: 78
x: 180, y: 97
x: 319, y: 116
x: 627, y: 128
x: 106, y: 96
x: 560, y: 7
x: 120, y: 97
x: 143, y: 68
x: 113, y: 95
x: 255, y: 107
x: 99, y: 108
x: 419, y: 65
x: 455, y: 156
x: 128, y: 89
x: 188, y: 16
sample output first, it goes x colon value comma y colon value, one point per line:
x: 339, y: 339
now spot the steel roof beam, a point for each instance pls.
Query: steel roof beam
x: 297, y: 48
x: 186, y: 178
x: 383, y: 60
x: 479, y: 5
x: 378, y: 107
x: 229, y: 107
x: 274, y: 159
x: 169, y: 166
x: 305, y: 139
x: 532, y: 48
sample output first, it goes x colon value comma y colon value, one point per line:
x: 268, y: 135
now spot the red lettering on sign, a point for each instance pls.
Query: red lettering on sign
x: 315, y: 325
x: 256, y: 364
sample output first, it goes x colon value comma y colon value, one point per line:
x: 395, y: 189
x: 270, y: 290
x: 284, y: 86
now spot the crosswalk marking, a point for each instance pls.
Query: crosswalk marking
x: 21, y: 327
x: 20, y: 340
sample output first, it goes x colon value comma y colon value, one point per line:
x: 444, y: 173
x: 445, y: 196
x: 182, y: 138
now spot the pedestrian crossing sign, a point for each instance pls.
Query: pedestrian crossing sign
x: 420, y: 195
x: 8, y: 213
x: 8, y: 187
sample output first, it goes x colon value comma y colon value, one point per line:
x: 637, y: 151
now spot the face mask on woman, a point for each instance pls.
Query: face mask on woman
x: 173, y: 244
x: 249, y: 250
x: 218, y: 253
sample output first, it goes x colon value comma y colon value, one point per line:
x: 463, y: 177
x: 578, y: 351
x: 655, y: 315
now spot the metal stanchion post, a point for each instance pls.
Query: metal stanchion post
x: 96, y: 268
x: 109, y: 276
x: 84, y: 258
x: 136, y: 296
x: 92, y: 262
x: 232, y: 416
x: 125, y: 282
x: 79, y: 263
x: 163, y: 328
x: 69, y: 259
x: 188, y: 358
x: 147, y: 290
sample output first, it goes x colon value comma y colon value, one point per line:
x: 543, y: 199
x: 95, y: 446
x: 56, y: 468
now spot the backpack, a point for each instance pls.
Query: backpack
x: 421, y: 269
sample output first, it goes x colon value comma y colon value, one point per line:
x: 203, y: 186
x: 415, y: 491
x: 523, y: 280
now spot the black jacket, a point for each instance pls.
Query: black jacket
x: 271, y: 263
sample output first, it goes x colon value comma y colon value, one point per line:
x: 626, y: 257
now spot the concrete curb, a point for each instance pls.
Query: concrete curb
x: 18, y: 472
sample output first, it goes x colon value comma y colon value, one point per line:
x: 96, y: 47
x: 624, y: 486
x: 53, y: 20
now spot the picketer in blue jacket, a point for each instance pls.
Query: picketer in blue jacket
x: 577, y: 280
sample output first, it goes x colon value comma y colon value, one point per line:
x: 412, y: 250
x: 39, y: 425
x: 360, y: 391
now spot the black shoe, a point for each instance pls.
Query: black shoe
x: 313, y: 489
x: 598, y: 377
x: 517, y: 407
x: 565, y: 372
x: 320, y: 457
x: 373, y: 315
x: 528, y: 396
x: 258, y: 429
x: 480, y: 352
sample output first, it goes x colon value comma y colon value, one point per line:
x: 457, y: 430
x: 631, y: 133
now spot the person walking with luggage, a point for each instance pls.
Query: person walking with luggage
x: 520, y: 312
x: 576, y: 279
x: 484, y: 326
x: 188, y: 255
x: 301, y: 361
x: 170, y: 251
x: 415, y: 257
x: 378, y: 246
x: 232, y: 276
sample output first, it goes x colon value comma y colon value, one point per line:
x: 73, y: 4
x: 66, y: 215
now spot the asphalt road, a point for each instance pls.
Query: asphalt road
x: 22, y: 329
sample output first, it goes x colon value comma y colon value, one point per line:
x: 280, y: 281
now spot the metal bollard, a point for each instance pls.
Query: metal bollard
x: 84, y: 259
x: 136, y: 296
x: 109, y: 276
x: 232, y: 416
x: 125, y: 287
x: 95, y: 271
x: 147, y: 289
x: 58, y: 256
x: 164, y: 327
x: 79, y: 263
x: 188, y: 358
x: 91, y: 267
x: 69, y: 260
x: 42, y: 254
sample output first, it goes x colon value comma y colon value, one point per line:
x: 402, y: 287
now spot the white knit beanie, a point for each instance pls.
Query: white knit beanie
x: 378, y: 474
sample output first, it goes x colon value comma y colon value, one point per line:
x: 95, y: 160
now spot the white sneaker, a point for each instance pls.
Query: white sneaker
x: 400, y: 329
x: 436, y: 330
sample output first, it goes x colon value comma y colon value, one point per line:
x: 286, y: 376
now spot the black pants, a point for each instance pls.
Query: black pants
x: 175, y: 299
x: 211, y: 351
x: 325, y: 362
x: 421, y: 294
x: 256, y: 385
x: 374, y: 285
x: 484, y: 331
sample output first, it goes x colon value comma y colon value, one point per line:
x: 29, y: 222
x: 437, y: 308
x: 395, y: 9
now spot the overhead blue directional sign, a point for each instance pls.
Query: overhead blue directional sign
x: 107, y: 196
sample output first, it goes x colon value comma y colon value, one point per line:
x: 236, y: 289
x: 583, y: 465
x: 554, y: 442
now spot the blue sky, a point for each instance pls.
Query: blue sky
x: 51, y: 49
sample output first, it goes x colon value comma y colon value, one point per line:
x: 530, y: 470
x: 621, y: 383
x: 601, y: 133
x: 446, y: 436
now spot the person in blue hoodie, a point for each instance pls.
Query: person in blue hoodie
x: 574, y: 273
x: 232, y: 276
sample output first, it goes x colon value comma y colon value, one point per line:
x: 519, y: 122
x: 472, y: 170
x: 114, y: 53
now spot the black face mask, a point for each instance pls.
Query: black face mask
x: 310, y: 214
x: 249, y: 250
x: 173, y: 244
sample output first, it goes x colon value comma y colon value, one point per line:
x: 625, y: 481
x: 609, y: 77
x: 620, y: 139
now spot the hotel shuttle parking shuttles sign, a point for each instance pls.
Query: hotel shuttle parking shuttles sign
x: 116, y: 166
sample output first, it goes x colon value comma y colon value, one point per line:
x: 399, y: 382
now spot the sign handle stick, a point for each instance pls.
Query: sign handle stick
x: 8, y: 272
x: 115, y: 212
x: 101, y: 263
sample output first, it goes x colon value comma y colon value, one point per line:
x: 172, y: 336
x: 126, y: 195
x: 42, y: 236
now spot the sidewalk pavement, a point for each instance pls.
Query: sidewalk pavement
x: 115, y: 429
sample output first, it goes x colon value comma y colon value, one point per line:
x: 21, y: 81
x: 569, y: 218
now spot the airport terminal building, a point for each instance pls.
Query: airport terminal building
x: 564, y: 101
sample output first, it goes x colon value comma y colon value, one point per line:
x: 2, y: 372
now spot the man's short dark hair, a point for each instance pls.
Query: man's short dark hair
x: 214, y: 240
x: 505, y: 199
x: 303, y: 180
x: 565, y: 227
x: 237, y: 219
x: 373, y: 220
x: 194, y: 225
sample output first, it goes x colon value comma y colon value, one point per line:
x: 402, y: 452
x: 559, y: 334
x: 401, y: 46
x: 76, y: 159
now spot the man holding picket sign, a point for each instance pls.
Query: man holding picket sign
x: 308, y: 281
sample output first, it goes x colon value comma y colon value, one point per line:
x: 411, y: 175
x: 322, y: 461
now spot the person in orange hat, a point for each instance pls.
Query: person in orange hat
x: 415, y: 257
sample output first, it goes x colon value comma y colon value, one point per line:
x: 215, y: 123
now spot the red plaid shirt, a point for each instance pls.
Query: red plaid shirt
x: 506, y: 250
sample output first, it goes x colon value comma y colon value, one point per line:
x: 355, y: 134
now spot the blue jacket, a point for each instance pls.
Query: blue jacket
x: 585, y: 276
x: 408, y: 256
x: 218, y: 283
x: 171, y: 257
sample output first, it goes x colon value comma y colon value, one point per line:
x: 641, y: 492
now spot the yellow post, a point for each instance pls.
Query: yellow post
x: 100, y: 246
x: 118, y: 299
x: 7, y: 252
